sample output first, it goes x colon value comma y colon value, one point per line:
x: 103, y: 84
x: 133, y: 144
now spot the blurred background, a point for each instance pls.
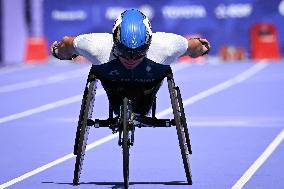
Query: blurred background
x: 237, y: 29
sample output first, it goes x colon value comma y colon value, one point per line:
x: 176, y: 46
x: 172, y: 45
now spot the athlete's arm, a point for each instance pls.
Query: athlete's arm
x: 64, y: 49
x: 197, y: 47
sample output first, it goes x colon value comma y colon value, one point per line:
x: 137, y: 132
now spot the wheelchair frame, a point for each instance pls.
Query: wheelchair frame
x: 125, y: 124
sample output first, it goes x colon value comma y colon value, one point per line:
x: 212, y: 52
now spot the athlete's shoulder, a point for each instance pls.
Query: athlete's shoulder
x: 84, y: 40
x: 91, y: 35
x: 96, y: 47
x: 167, y: 36
x: 167, y: 47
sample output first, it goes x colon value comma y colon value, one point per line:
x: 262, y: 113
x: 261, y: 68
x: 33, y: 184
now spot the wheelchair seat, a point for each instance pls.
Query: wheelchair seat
x: 140, y: 85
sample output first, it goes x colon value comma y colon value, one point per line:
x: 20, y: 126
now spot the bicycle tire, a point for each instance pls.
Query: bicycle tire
x: 83, y: 130
x: 125, y: 143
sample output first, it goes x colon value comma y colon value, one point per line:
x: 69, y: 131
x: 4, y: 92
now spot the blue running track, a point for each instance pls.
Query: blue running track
x: 235, y: 114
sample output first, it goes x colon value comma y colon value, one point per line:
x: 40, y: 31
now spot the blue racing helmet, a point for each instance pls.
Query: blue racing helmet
x: 132, y: 34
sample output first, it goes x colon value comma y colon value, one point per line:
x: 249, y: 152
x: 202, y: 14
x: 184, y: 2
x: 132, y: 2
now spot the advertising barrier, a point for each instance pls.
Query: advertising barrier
x: 222, y: 22
x: 264, y: 42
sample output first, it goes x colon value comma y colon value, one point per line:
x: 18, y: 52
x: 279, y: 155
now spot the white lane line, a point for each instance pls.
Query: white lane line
x: 260, y: 160
x: 44, y: 81
x: 73, y: 99
x: 110, y: 137
x: 46, y: 107
x: 14, y: 68
x: 58, y: 161
x: 60, y: 77
x: 55, y: 162
x: 222, y: 86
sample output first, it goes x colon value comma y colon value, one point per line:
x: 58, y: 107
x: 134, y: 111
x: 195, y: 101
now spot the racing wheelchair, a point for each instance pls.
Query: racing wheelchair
x: 129, y: 107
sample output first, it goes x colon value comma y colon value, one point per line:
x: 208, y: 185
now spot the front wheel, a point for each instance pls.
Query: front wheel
x: 125, y: 141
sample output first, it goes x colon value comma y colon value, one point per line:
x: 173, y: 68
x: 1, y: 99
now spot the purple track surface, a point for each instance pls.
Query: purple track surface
x: 235, y: 114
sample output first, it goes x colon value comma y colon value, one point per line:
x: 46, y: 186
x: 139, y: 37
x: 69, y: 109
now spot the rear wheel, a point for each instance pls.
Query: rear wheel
x: 125, y: 142
x: 183, y: 120
x: 83, y: 130
x: 181, y: 132
x: 181, y: 127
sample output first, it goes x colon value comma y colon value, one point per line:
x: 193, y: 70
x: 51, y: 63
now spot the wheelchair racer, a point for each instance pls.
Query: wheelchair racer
x: 132, y: 53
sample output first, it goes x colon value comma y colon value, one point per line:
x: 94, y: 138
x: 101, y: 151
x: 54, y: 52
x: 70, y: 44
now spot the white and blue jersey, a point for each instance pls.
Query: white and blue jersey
x: 139, y: 84
x: 165, y: 48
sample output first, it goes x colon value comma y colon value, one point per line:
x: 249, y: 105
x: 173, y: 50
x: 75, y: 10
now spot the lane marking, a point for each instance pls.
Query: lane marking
x: 259, y: 162
x: 73, y: 99
x: 46, y: 107
x: 55, y: 162
x: 222, y: 86
x: 43, y: 81
x: 9, y: 69
x: 58, y: 161
x: 110, y: 137
x: 60, y: 77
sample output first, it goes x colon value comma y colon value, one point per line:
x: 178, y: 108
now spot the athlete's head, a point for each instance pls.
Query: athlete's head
x: 131, y: 35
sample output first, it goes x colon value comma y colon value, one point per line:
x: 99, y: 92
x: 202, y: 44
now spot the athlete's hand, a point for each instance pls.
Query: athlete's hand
x: 64, y: 49
x: 198, y: 47
x: 54, y: 49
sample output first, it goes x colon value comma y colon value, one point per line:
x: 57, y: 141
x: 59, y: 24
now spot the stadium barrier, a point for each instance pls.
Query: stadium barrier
x: 231, y: 53
x: 36, y: 50
x: 264, y: 42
